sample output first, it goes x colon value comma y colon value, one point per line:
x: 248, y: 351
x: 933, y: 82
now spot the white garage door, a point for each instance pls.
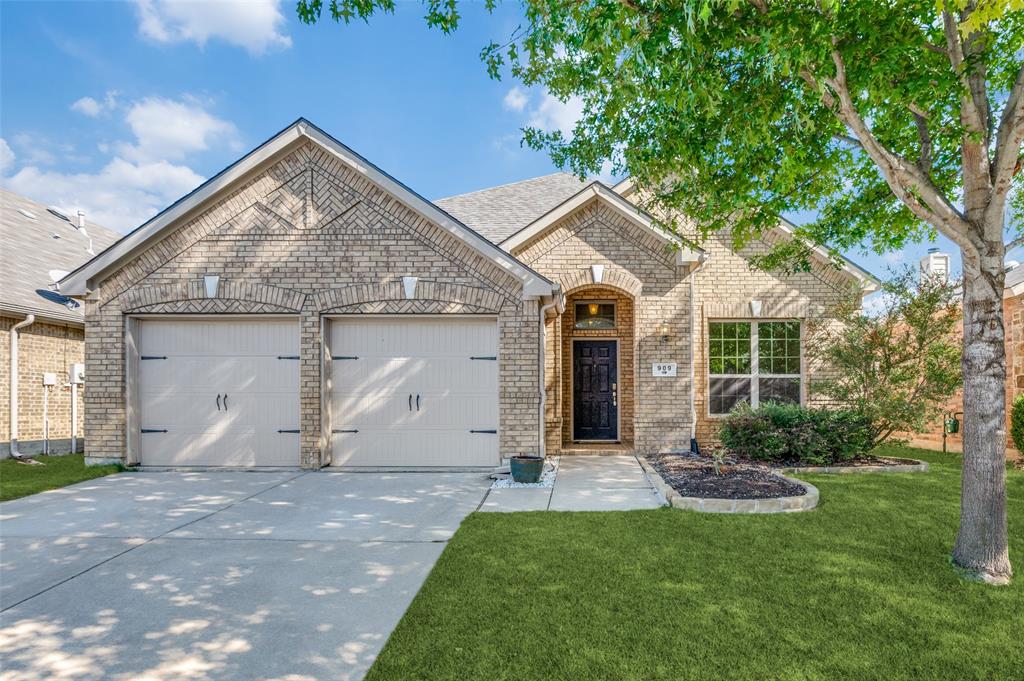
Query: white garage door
x: 414, y: 392
x: 219, y: 392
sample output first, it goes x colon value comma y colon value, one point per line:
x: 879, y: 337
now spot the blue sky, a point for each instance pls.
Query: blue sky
x: 119, y: 108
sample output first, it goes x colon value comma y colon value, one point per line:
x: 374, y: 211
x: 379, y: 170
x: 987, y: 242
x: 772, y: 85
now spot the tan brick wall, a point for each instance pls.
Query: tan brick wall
x: 308, y: 235
x: 726, y: 285
x: 42, y: 347
x: 639, y: 268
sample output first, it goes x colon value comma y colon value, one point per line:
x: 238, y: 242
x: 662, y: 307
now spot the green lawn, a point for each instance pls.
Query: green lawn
x: 860, y: 588
x: 19, y: 480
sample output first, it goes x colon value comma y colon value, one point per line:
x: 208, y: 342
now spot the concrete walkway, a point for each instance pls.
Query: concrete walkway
x: 583, y: 483
x: 226, y: 575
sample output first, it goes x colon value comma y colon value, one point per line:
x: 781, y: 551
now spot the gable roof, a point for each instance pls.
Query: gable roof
x: 79, y: 282
x: 596, y: 191
x: 34, y: 242
x: 869, y: 283
x: 499, y: 212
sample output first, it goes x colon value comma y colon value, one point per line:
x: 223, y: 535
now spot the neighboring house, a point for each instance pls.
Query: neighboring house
x: 37, y: 247
x: 305, y: 308
x: 1013, y: 320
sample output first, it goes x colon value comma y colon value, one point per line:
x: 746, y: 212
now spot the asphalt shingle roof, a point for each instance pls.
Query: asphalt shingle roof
x: 32, y: 246
x: 499, y: 212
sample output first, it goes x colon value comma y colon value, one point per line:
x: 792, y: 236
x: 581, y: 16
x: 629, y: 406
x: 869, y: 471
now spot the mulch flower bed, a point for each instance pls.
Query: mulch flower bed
x: 694, y: 476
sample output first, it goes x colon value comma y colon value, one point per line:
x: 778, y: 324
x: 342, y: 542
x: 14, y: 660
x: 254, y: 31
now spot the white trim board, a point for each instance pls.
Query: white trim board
x: 598, y: 191
x: 79, y: 282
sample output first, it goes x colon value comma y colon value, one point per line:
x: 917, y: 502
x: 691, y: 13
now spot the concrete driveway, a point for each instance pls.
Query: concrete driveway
x: 226, y: 575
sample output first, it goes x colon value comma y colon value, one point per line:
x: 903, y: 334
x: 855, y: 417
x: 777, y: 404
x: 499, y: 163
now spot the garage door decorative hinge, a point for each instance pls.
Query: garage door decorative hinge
x: 144, y: 357
x: 153, y: 430
x: 287, y: 356
x: 287, y: 430
x: 488, y: 432
x: 343, y: 357
x: 491, y: 358
x: 352, y: 430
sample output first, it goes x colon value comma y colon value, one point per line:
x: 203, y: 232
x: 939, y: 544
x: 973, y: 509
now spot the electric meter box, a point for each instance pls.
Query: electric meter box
x: 76, y: 373
x: 49, y: 378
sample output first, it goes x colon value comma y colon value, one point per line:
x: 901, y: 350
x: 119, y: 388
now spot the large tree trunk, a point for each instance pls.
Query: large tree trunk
x: 981, y: 544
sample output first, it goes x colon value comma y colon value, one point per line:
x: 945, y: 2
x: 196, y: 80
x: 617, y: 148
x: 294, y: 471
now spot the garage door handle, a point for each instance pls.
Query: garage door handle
x: 225, y: 401
x: 487, y: 432
x: 417, y: 402
x: 154, y: 430
x: 491, y: 358
x: 286, y: 430
x: 351, y: 430
x: 218, y: 401
x: 410, y: 401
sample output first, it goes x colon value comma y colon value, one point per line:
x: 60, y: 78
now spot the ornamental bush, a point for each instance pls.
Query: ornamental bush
x: 1017, y: 423
x: 793, y: 435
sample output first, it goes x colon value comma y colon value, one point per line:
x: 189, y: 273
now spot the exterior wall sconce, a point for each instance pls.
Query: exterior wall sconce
x: 664, y: 330
x: 409, y: 285
x: 211, y: 282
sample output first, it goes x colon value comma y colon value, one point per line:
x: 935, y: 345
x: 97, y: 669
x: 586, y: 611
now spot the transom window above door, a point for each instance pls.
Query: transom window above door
x: 595, y: 314
x: 753, y: 362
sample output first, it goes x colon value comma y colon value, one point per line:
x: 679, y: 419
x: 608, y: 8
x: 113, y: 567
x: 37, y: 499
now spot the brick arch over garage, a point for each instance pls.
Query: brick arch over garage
x: 613, y: 277
x: 231, y: 296
x: 429, y: 297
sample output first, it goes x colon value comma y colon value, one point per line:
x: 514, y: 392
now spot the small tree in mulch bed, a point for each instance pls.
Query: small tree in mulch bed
x: 897, y: 367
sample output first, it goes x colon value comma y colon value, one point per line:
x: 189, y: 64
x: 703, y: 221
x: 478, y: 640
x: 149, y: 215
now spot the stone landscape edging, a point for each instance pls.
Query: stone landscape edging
x: 804, y: 502
x: 917, y: 467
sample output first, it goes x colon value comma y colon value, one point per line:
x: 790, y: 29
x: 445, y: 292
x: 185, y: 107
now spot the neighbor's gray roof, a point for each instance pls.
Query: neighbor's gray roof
x: 32, y: 246
x: 499, y: 212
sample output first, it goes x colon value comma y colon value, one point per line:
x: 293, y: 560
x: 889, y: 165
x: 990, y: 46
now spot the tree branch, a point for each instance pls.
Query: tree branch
x: 904, y: 178
x: 1014, y: 243
x: 924, y: 161
x: 1006, y: 161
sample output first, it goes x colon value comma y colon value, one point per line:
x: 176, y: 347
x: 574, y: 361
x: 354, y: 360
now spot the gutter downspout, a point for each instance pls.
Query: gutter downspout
x: 15, y: 454
x: 542, y: 445
x: 693, y: 353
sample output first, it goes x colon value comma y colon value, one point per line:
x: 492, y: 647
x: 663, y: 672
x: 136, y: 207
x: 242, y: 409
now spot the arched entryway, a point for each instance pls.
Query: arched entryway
x: 597, y: 368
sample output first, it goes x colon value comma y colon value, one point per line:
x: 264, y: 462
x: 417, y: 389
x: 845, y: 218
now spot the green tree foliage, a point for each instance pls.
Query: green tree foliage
x: 1017, y: 424
x: 898, y: 367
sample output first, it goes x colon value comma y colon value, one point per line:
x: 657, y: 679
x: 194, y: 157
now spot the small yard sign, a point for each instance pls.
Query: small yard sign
x: 663, y: 369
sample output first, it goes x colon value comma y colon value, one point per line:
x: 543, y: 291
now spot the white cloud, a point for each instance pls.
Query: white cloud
x: 551, y: 114
x: 169, y: 129
x: 6, y: 156
x: 516, y: 99
x: 88, y: 106
x: 121, y: 196
x: 254, y: 25
x: 140, y: 177
x: 92, y: 107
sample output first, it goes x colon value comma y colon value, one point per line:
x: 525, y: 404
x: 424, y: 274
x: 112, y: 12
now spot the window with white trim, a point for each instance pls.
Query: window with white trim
x: 753, y: 362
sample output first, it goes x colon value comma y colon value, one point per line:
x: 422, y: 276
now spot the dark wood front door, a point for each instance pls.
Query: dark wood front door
x: 595, y: 390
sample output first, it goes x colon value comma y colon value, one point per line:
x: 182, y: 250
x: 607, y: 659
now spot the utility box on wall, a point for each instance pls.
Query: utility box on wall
x: 76, y: 374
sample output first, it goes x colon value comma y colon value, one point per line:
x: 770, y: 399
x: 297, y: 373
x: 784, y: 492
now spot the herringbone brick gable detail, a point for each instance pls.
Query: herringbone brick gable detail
x: 310, y: 236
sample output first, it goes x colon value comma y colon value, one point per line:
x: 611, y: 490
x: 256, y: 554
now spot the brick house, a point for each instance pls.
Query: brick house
x: 305, y: 308
x: 33, y: 243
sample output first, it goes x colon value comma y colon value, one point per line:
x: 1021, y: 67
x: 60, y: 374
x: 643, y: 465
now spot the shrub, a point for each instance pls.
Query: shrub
x: 789, y: 433
x: 1017, y: 424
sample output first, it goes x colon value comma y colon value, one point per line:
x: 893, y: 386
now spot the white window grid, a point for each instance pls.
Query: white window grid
x: 755, y: 352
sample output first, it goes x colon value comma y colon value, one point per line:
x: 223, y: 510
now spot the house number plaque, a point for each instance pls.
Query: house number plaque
x: 663, y: 369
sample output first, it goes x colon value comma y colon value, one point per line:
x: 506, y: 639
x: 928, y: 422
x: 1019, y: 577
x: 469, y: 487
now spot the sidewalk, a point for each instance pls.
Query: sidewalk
x: 583, y: 483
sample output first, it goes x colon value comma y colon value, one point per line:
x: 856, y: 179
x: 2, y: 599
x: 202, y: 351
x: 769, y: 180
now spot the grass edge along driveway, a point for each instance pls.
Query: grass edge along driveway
x: 20, y: 480
x: 860, y: 588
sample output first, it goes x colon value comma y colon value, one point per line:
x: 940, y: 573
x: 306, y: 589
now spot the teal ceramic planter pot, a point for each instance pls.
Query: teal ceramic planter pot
x: 527, y: 468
